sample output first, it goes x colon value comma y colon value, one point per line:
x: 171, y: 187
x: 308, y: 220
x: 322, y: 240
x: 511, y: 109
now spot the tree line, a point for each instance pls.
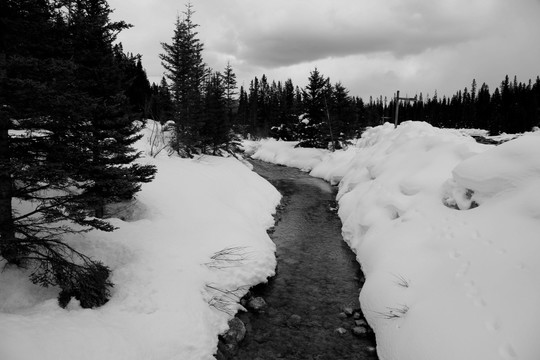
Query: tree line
x: 513, y: 107
x: 208, y: 109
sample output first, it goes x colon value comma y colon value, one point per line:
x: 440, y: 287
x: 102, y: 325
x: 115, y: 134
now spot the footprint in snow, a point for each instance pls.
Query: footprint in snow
x: 506, y: 351
x: 492, y: 326
x: 463, y: 269
x: 488, y: 242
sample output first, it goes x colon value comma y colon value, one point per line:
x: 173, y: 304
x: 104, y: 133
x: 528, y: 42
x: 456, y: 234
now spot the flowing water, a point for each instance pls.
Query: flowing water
x: 317, y: 278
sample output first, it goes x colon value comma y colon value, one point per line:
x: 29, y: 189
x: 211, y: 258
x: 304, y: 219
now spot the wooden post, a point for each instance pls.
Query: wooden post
x: 397, y: 100
x: 397, y: 109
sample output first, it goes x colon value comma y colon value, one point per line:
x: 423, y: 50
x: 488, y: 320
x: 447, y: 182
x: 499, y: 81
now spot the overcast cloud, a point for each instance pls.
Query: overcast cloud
x: 373, y: 47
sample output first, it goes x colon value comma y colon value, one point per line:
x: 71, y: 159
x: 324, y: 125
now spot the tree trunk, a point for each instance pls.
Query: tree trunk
x: 7, y: 230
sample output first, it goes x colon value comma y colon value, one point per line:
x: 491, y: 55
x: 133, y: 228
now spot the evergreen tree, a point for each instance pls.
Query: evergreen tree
x: 342, y: 115
x: 110, y: 128
x: 217, y: 130
x: 160, y: 107
x: 51, y: 109
x: 241, y: 123
x: 229, y: 83
x: 187, y: 72
x: 315, y: 128
x: 254, y: 100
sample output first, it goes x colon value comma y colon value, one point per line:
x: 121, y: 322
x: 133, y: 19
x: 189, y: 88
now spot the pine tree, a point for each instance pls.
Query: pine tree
x: 217, y: 132
x: 47, y: 104
x: 241, y: 122
x: 160, y: 106
x: 187, y: 72
x: 110, y: 128
x: 229, y: 83
x: 315, y: 129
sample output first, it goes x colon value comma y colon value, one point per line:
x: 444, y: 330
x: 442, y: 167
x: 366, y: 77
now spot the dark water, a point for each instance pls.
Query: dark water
x: 317, y: 277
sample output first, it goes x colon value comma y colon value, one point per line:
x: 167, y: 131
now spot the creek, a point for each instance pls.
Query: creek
x: 317, y: 279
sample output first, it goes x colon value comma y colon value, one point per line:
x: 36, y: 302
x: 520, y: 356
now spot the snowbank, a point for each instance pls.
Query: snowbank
x: 285, y: 153
x: 446, y: 231
x: 164, y: 274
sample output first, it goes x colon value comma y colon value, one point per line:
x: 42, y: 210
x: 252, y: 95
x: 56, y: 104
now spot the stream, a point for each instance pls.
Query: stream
x: 317, y: 282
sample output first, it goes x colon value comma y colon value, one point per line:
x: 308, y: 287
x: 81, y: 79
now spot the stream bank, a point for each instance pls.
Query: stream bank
x: 309, y: 309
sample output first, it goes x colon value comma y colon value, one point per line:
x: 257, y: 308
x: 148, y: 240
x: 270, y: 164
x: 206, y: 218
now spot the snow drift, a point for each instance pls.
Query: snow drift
x: 446, y: 231
x: 168, y: 281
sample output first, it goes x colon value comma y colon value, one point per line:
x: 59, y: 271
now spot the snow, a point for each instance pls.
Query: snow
x: 162, y: 266
x: 446, y: 231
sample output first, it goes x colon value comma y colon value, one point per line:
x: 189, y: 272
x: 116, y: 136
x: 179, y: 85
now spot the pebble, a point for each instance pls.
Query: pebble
x: 341, y: 331
x: 294, y: 320
x: 360, y: 323
x: 359, y: 330
x: 257, y: 304
x: 371, y: 349
x: 348, y: 311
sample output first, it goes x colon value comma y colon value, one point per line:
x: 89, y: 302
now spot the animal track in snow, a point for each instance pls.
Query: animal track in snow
x: 454, y: 254
x: 488, y: 242
x: 506, y: 351
x: 463, y: 269
x: 492, y: 326
x: 479, y: 302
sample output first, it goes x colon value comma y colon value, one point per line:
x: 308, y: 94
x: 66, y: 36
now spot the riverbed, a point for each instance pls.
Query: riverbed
x: 317, y: 281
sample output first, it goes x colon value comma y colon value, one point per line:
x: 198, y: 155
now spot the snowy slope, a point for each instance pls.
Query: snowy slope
x: 446, y: 231
x: 161, y: 262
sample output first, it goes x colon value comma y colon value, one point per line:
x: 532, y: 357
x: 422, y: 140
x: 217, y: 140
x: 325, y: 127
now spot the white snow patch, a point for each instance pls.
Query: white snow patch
x: 441, y: 283
x: 160, y: 303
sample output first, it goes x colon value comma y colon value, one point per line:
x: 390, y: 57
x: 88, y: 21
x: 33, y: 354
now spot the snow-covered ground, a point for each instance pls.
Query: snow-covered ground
x: 447, y: 233
x: 163, y: 270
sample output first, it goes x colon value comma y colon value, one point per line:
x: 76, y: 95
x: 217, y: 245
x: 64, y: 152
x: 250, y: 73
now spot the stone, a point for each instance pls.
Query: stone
x: 357, y: 315
x: 371, y: 349
x: 341, y: 331
x: 348, y: 311
x: 236, y: 332
x: 257, y: 304
x: 294, y: 320
x: 360, y: 323
x: 229, y: 341
x: 359, y: 331
x: 342, y: 315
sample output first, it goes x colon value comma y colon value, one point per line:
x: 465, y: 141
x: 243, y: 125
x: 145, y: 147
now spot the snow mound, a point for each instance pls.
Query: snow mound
x: 441, y: 284
x: 503, y: 168
x: 285, y: 153
x: 202, y: 231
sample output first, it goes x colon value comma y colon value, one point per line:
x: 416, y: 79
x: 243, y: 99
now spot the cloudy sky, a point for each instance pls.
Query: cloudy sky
x: 373, y: 47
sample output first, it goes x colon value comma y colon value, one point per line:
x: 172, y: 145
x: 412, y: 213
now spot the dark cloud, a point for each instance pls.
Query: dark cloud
x: 367, y: 44
x: 278, y: 50
x: 325, y: 29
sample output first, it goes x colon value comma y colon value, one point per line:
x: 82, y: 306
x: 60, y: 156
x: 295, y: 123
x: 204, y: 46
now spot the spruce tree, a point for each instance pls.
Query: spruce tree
x: 186, y: 70
x: 315, y: 129
x: 47, y: 144
x: 229, y: 83
x: 110, y: 129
